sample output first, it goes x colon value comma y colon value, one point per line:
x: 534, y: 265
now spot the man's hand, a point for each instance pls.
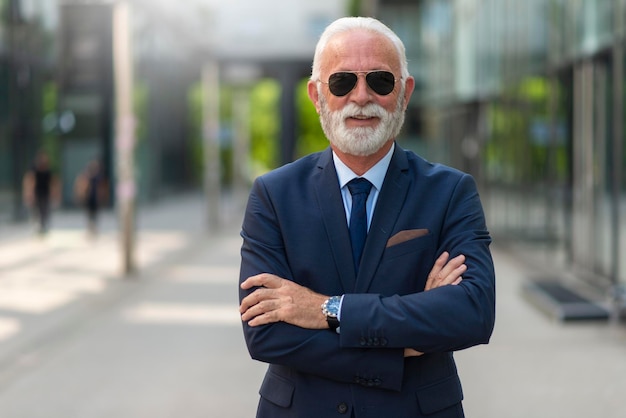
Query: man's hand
x: 446, y: 272
x: 443, y: 273
x: 278, y: 299
x: 409, y: 352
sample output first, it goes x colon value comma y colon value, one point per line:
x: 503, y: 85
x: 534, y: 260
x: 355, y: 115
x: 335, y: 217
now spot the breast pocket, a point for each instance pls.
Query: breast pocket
x: 413, y: 245
x: 404, y: 267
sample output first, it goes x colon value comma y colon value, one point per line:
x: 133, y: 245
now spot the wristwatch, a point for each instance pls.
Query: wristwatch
x: 330, y: 309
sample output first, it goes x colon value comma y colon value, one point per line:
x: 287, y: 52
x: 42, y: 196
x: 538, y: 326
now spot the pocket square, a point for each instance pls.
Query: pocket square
x: 406, y: 235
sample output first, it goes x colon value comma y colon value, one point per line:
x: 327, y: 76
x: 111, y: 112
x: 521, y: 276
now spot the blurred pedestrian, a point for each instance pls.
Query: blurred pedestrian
x: 91, y: 191
x: 356, y: 323
x: 41, y: 190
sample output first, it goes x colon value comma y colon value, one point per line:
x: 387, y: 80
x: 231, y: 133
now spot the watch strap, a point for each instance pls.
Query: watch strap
x: 333, y: 323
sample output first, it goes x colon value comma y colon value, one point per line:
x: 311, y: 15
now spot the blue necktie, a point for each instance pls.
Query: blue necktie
x: 359, y: 189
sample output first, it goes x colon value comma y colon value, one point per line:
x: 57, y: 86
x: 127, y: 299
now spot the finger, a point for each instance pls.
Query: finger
x: 266, y: 318
x: 410, y: 352
x: 457, y: 281
x: 260, y: 308
x: 254, y: 298
x: 268, y: 312
x: 459, y: 271
x: 441, y: 260
x: 447, y: 274
x: 254, y: 281
x: 454, y: 263
x: 261, y: 280
x: 439, y: 264
x: 451, y: 267
x: 453, y: 275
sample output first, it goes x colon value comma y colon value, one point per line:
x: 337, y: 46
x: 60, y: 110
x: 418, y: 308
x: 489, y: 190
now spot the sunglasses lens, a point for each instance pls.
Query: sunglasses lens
x: 341, y: 84
x: 382, y: 82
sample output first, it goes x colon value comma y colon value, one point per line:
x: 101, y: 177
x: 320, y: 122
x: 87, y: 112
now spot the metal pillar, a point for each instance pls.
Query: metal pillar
x: 124, y: 133
x: 210, y: 133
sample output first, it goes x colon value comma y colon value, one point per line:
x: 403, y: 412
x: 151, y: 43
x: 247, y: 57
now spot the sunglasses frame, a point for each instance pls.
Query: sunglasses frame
x: 357, y: 73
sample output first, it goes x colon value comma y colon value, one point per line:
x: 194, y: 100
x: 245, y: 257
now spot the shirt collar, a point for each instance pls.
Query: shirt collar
x: 375, y: 175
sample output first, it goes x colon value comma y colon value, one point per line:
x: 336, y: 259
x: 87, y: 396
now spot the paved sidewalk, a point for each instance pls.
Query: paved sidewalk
x: 537, y: 367
x: 77, y: 340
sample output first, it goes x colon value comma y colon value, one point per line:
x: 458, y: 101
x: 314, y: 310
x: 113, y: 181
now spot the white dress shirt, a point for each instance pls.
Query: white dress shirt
x: 375, y: 175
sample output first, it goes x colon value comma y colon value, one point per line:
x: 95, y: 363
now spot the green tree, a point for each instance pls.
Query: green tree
x: 311, y: 138
x: 264, y: 125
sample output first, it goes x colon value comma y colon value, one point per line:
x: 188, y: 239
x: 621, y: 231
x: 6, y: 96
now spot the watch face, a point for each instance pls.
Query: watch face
x: 333, y: 306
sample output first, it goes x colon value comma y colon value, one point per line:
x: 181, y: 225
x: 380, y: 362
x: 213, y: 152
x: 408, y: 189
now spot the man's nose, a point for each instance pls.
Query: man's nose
x: 361, y: 92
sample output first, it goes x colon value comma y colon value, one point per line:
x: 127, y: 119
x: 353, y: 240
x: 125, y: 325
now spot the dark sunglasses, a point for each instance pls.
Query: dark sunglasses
x: 342, y: 83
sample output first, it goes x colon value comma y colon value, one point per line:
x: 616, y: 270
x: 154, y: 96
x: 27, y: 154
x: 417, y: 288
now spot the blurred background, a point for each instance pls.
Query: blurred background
x: 526, y: 96
x: 198, y: 97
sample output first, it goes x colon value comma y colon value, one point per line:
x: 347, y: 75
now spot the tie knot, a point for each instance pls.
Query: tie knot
x: 359, y: 185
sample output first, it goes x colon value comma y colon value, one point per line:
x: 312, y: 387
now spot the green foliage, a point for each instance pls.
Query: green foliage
x: 354, y: 7
x: 311, y: 137
x: 194, y: 98
x: 50, y: 140
x: 535, y: 90
x: 141, y: 95
x: 4, y: 11
x: 264, y: 125
x: 522, y: 148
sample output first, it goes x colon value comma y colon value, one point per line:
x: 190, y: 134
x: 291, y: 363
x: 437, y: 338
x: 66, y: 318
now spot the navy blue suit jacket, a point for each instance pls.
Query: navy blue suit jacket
x: 295, y: 227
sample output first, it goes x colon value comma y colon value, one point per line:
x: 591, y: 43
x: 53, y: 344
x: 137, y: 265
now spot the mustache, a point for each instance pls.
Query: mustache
x: 370, y: 110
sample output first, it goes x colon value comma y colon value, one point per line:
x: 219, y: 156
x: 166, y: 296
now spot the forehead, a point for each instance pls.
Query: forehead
x: 359, y: 50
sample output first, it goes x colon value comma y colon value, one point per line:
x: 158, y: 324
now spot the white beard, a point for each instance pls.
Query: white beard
x: 360, y: 141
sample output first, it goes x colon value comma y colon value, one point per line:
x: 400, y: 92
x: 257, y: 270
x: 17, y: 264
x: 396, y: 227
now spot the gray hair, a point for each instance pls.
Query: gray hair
x: 346, y: 24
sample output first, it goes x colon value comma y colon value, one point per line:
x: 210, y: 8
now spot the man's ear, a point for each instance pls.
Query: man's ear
x: 409, y: 85
x: 314, y: 94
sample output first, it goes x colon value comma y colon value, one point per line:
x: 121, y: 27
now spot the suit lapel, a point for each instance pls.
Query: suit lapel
x: 388, y: 207
x: 334, y: 217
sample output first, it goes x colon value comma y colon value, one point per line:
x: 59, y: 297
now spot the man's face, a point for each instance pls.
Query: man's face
x: 361, y: 121
x: 360, y: 140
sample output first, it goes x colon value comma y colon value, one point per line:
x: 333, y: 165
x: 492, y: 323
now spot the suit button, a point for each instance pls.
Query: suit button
x: 342, y: 408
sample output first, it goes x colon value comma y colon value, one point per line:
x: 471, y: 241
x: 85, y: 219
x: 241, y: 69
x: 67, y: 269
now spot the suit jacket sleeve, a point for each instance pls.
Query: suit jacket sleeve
x: 447, y: 318
x: 315, y: 352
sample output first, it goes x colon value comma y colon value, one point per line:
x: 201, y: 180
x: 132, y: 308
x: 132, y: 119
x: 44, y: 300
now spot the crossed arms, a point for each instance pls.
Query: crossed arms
x: 280, y: 300
x: 282, y: 319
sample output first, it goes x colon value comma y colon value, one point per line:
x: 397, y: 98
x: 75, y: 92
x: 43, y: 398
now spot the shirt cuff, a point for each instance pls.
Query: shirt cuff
x: 340, y: 305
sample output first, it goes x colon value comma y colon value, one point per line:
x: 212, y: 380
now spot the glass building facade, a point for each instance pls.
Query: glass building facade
x: 27, y: 53
x: 56, y: 94
x: 528, y: 96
